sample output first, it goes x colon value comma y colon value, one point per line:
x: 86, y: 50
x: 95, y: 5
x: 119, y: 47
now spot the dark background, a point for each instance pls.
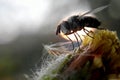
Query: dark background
x: 22, y: 38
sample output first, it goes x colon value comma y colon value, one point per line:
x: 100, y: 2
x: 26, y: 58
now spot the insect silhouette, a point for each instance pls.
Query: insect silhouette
x: 79, y: 22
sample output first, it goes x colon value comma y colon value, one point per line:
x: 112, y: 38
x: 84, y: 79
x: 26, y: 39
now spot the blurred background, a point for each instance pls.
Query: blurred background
x: 25, y: 25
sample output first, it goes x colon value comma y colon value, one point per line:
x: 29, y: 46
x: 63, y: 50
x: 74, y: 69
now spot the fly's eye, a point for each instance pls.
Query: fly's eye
x: 64, y: 30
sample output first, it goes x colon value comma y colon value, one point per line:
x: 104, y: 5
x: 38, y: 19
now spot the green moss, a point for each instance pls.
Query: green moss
x: 57, y: 70
x: 47, y: 77
x: 83, y: 74
x: 106, y: 59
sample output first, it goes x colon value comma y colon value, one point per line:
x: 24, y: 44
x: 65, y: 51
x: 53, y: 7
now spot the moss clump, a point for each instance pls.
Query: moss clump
x: 97, y: 59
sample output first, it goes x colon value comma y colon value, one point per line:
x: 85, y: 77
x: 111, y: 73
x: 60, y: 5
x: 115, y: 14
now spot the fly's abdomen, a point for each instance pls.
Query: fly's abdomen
x: 89, y: 22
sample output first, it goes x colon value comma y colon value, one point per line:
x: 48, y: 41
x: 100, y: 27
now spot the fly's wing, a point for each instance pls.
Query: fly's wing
x: 95, y: 10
